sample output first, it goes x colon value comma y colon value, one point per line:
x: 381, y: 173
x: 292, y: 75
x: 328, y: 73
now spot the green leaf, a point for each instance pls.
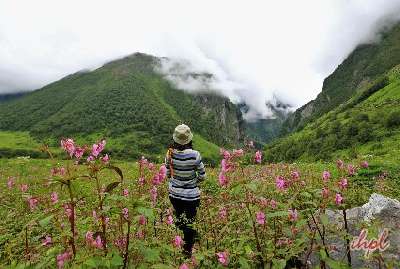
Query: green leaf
x: 277, y: 214
x: 248, y: 249
x: 151, y: 255
x: 161, y: 266
x: 44, y: 222
x: 252, y: 186
x: 116, y: 169
x: 117, y: 260
x: 91, y: 263
x: 324, y: 219
x: 322, y: 254
x: 306, y: 194
x: 148, y: 212
x: 244, y: 263
x: 335, y: 264
x: 112, y: 186
x: 278, y: 264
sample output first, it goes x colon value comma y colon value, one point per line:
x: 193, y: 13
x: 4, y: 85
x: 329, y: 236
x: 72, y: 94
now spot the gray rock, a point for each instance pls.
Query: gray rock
x: 378, y: 214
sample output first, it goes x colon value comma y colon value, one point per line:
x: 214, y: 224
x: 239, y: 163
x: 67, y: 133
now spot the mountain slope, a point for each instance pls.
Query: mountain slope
x: 365, y: 64
x: 369, y: 123
x: 125, y: 101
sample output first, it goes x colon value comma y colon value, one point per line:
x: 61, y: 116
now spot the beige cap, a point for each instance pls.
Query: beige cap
x: 182, y: 134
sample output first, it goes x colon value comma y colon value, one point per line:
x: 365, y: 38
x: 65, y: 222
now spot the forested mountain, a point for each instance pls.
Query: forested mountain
x: 127, y: 102
x: 368, y: 124
x: 364, y: 65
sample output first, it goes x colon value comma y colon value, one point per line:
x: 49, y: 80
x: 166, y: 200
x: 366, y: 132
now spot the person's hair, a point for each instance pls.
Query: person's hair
x: 180, y: 147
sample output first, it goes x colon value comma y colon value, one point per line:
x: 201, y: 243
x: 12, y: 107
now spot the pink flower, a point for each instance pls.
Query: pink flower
x: 339, y: 164
x: 62, y: 258
x: 351, y: 170
x: 98, y: 148
x: 326, y: 175
x: 89, y: 237
x: 120, y: 243
x: 151, y: 166
x: 24, y: 187
x: 178, y: 242
x: 68, y: 210
x: 293, y: 216
x: 125, y: 213
x: 272, y: 204
x: 156, y: 179
x: 325, y: 192
x: 184, y: 266
x: 90, y: 159
x: 98, y: 243
x: 94, y: 214
x: 260, y: 217
x: 258, y: 156
x: 238, y: 152
x: 223, y: 258
x: 140, y: 234
x: 62, y: 171
x: 225, y: 153
x: 225, y: 166
x: 170, y: 220
x: 263, y: 202
x: 33, y: 202
x: 364, y: 164
x: 125, y: 192
x: 141, y: 181
x: 142, y: 220
x: 105, y: 159
x: 10, y: 182
x: 79, y: 152
x: 280, y: 183
x: 194, y: 261
x: 223, y: 213
x: 222, y: 180
x: 338, y: 199
x: 58, y: 171
x: 295, y: 175
x: 47, y: 241
x: 153, y: 193
x: 68, y: 145
x: 54, y: 197
x: 343, y: 183
x: 162, y: 173
x: 143, y: 161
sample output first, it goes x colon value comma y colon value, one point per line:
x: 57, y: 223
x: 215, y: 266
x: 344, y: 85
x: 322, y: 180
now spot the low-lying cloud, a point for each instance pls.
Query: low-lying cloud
x: 257, y: 52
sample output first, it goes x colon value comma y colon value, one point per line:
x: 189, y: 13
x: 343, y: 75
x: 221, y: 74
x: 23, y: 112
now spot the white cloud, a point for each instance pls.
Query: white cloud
x: 256, y: 49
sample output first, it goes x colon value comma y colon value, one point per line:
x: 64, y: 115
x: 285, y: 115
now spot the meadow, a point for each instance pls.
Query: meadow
x: 90, y: 211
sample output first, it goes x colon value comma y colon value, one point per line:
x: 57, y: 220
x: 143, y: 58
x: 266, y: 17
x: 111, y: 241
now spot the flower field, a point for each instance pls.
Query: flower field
x: 91, y: 212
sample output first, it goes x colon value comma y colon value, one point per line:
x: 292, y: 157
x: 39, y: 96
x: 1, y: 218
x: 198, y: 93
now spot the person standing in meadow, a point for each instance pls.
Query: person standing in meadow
x: 185, y: 170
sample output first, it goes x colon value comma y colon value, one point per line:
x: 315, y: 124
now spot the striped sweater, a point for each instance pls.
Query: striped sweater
x: 184, y: 170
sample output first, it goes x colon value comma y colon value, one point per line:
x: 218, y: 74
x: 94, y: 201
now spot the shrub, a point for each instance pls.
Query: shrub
x: 393, y: 119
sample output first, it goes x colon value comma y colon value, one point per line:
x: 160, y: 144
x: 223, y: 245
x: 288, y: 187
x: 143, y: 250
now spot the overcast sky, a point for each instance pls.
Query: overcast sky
x: 257, y: 49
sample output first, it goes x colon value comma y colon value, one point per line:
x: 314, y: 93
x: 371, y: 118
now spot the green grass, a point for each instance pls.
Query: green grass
x: 17, y: 140
x: 129, y: 146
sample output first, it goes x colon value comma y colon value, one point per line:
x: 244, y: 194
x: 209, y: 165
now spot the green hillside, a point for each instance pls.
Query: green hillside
x: 126, y: 102
x: 364, y: 65
x: 369, y: 123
